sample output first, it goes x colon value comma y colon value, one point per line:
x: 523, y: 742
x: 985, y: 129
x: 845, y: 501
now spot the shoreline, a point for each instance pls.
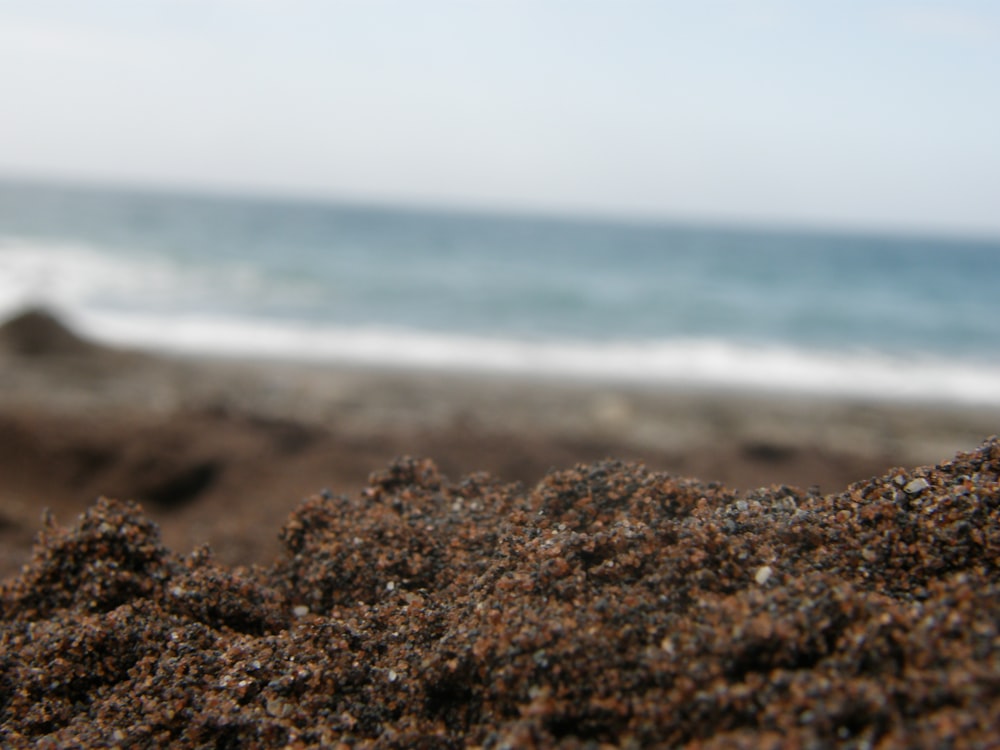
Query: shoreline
x: 682, y: 364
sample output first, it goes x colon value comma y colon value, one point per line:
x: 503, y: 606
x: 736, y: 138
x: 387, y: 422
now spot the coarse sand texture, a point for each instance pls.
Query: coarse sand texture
x: 606, y: 607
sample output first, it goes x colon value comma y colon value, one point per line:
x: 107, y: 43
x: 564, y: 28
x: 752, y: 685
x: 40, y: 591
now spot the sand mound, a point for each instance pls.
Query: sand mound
x: 37, y: 333
x: 608, y: 606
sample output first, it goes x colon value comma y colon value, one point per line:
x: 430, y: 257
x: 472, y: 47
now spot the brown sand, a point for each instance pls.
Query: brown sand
x: 606, y: 606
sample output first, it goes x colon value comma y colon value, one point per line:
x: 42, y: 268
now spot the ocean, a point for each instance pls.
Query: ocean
x: 788, y: 311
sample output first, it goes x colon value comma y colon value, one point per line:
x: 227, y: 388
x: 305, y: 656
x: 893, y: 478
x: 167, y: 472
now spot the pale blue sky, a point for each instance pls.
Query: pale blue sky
x: 874, y: 114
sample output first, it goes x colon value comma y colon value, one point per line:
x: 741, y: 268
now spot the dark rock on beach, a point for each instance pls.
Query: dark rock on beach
x: 608, y: 606
x: 37, y: 332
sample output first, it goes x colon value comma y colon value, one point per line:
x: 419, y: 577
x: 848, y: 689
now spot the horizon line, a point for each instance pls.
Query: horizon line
x: 410, y: 204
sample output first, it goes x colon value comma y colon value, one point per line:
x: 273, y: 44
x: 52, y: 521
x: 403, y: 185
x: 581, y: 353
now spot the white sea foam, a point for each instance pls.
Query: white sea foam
x: 71, y: 277
x: 68, y: 276
x: 694, y: 362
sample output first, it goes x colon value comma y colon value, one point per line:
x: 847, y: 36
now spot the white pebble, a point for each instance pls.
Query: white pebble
x: 300, y: 610
x: 916, y: 485
x: 763, y: 574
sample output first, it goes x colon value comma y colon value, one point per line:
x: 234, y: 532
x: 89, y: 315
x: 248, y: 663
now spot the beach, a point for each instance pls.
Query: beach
x: 219, y: 451
x: 271, y: 554
x: 369, y: 381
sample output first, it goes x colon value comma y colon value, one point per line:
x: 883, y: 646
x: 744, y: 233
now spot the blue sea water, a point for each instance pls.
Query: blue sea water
x: 789, y: 311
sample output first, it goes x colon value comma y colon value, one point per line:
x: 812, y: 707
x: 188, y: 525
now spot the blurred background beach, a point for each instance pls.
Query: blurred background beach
x: 289, y: 242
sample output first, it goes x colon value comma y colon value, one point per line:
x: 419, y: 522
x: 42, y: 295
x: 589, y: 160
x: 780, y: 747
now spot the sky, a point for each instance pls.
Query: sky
x: 871, y: 115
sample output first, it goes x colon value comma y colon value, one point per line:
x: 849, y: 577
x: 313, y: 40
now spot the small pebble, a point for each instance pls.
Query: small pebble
x: 916, y: 486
